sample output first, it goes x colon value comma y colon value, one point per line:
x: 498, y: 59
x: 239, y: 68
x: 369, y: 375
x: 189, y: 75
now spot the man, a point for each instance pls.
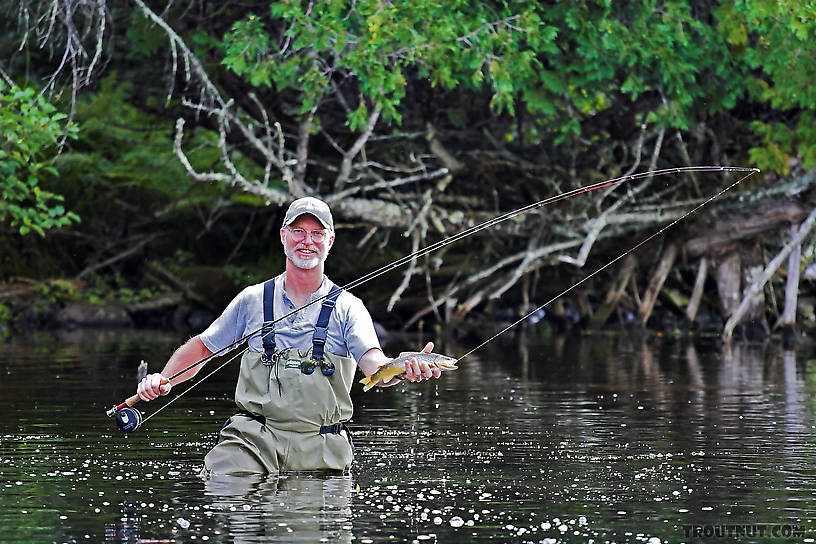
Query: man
x: 294, y: 382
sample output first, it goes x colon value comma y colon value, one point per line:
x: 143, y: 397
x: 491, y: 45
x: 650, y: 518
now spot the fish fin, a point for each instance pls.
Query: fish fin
x: 367, y: 383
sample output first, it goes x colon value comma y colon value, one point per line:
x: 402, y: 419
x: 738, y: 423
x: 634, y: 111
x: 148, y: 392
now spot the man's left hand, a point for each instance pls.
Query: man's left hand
x: 416, y: 371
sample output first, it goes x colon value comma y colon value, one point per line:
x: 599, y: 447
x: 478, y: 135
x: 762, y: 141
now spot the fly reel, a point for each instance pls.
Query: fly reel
x: 128, y: 419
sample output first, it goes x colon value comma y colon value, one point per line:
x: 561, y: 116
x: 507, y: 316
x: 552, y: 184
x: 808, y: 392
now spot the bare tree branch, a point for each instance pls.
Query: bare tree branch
x: 598, y: 224
x: 297, y: 188
x: 406, y: 278
x: 387, y: 184
x: 769, y: 270
x: 235, y: 178
x: 348, y: 156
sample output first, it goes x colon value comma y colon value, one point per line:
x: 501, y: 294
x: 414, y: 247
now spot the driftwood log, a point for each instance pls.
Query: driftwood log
x: 735, y: 317
x: 659, y: 276
x: 722, y: 236
x: 788, y: 318
x: 614, y: 294
x: 697, y: 291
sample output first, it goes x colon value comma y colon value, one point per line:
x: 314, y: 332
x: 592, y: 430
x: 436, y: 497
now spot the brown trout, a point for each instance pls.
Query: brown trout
x: 396, y: 366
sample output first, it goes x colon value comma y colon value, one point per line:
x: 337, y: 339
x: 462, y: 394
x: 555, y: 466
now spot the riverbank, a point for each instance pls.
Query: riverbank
x: 28, y: 306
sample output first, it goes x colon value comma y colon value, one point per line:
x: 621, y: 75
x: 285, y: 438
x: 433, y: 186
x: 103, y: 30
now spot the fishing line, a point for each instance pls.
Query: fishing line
x: 269, y: 326
x: 607, y: 265
x: 266, y: 327
x: 174, y: 399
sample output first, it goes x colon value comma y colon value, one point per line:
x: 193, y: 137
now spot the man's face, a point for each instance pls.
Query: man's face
x: 306, y: 253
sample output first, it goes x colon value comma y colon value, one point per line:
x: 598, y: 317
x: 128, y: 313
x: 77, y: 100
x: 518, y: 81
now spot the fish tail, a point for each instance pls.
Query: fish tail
x: 367, y: 382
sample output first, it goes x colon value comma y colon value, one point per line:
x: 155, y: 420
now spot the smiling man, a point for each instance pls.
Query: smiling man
x: 293, y: 391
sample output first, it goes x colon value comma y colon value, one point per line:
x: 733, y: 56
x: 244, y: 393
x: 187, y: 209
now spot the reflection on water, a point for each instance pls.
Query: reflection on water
x: 605, y: 438
x: 290, y: 508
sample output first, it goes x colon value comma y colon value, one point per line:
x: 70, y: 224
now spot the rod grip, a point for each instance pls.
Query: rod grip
x: 130, y: 401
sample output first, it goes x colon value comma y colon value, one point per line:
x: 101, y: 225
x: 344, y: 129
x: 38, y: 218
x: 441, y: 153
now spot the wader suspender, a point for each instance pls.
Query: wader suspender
x: 269, y: 356
x: 322, y: 326
x: 319, y: 342
x: 269, y: 317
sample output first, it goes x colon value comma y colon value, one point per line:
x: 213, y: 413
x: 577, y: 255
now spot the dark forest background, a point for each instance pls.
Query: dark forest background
x: 148, y: 150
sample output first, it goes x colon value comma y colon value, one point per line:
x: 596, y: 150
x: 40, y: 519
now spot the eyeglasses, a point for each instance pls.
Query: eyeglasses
x: 298, y: 235
x: 307, y: 367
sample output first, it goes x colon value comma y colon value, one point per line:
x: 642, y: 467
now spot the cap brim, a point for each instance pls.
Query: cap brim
x: 319, y: 220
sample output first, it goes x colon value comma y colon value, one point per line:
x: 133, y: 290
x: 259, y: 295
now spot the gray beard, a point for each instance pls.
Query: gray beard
x: 304, y: 263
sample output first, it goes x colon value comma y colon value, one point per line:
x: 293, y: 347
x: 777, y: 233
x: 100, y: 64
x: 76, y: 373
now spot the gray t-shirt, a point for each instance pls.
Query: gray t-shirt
x: 350, y: 331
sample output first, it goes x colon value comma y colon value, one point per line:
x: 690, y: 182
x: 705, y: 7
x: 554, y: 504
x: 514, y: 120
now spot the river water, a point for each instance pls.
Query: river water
x: 536, y: 438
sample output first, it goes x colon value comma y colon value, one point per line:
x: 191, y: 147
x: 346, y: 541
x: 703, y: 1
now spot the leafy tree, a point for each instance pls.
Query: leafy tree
x: 30, y: 134
x: 381, y: 44
x: 425, y: 117
x: 775, y: 41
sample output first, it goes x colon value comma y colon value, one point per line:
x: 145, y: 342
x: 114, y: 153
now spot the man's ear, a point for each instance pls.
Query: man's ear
x: 283, y: 233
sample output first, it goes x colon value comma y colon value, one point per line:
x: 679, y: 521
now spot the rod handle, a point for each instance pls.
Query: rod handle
x: 130, y: 401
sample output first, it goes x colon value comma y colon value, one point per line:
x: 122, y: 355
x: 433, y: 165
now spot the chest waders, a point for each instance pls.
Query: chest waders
x: 288, y: 420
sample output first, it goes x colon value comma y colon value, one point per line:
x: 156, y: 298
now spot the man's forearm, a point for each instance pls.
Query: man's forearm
x: 371, y: 361
x: 187, y: 354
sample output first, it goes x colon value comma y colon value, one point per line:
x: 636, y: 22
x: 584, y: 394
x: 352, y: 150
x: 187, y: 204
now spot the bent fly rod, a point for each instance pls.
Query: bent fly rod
x: 128, y: 419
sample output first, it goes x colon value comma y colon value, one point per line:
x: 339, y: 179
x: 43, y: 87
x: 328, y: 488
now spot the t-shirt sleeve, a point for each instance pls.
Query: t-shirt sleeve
x: 360, y: 333
x: 228, y: 327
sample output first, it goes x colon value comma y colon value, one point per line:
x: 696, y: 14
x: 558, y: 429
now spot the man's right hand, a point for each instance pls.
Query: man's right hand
x: 151, y: 388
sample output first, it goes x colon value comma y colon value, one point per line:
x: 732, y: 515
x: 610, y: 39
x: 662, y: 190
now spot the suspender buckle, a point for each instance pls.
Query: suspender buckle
x: 274, y: 358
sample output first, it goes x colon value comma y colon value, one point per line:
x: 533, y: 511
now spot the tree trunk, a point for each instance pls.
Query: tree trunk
x: 788, y: 319
x: 697, y: 291
x: 659, y: 277
x: 744, y: 226
x: 754, y: 323
x: 728, y: 283
x: 614, y: 294
x: 584, y: 307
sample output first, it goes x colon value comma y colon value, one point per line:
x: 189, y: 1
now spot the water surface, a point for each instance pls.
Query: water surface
x: 537, y: 438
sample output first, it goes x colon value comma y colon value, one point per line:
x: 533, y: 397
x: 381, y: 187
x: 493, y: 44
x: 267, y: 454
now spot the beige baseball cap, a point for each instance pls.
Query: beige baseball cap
x: 312, y: 206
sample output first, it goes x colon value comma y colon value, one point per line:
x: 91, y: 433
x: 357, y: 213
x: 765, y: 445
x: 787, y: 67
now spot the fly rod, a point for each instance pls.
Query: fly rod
x: 129, y: 419
x: 607, y: 265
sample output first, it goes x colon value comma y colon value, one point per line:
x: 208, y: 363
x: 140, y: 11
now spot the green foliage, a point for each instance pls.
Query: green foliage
x: 450, y: 44
x: 104, y: 294
x: 51, y: 292
x: 145, y: 38
x: 775, y: 40
x: 247, y: 275
x: 30, y: 130
x: 126, y: 150
x: 564, y: 62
